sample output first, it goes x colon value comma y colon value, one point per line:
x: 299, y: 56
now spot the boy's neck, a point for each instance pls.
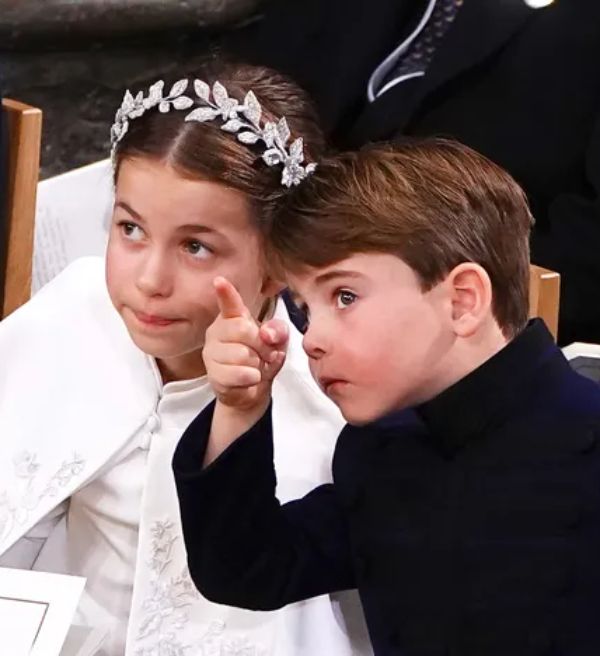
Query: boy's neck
x: 468, y: 354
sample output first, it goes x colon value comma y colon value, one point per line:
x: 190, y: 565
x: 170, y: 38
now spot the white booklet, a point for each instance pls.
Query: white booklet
x: 36, y: 611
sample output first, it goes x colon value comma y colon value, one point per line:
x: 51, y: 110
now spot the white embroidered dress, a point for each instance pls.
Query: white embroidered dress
x: 88, y: 432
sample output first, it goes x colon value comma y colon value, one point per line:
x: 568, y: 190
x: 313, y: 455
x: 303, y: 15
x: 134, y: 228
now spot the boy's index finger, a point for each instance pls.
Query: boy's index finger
x: 230, y: 302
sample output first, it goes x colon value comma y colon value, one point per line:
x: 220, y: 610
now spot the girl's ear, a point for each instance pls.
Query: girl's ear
x: 470, y: 290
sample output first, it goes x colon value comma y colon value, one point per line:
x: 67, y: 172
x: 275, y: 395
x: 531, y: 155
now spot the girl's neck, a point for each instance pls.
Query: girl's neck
x: 183, y: 367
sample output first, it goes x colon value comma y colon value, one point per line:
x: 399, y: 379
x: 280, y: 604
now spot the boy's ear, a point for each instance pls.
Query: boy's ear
x: 470, y: 290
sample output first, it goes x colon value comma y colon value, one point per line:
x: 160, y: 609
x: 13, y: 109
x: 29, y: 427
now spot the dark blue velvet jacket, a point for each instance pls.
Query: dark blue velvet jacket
x: 470, y: 525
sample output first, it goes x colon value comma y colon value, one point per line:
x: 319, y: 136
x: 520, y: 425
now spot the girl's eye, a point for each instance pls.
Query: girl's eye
x: 197, y: 249
x: 131, y: 230
x: 344, y: 298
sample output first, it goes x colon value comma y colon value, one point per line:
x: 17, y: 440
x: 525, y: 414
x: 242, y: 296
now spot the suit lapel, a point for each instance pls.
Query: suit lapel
x: 481, y: 28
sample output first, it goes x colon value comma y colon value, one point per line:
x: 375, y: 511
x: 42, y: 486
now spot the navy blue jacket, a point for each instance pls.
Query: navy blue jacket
x: 470, y: 525
x: 518, y: 84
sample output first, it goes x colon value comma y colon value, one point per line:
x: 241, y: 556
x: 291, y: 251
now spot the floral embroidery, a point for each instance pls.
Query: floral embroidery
x: 25, y: 497
x: 166, y: 609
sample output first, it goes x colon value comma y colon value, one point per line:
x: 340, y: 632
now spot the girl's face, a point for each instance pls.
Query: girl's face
x: 169, y: 238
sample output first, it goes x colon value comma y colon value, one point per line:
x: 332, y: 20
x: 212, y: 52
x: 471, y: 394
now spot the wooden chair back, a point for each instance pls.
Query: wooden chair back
x: 24, y: 125
x: 544, y: 296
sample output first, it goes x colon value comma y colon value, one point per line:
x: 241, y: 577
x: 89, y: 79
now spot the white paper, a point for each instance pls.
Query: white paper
x: 36, y: 611
x: 20, y: 622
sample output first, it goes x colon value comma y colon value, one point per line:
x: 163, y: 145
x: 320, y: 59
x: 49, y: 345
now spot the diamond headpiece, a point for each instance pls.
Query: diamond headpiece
x: 243, y: 120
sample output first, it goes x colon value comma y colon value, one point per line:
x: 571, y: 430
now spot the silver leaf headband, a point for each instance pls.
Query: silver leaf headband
x: 240, y: 119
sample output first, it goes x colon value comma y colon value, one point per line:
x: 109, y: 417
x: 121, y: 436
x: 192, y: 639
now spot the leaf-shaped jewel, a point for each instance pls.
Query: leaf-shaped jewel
x: 136, y: 112
x: 178, y: 88
x: 164, y: 107
x: 269, y: 132
x: 155, y: 91
x: 183, y: 102
x: 128, y: 101
x: 122, y: 130
x: 297, y: 149
x: 248, y: 137
x: 139, y: 97
x: 202, y: 114
x: 283, y: 132
x: 202, y: 90
x: 229, y: 108
x: 272, y: 156
x: 286, y: 178
x: 219, y: 94
x: 232, y: 126
x: 253, y: 110
x: 310, y: 168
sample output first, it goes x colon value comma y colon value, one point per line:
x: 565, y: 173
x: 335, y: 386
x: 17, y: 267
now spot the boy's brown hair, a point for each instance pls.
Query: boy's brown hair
x: 433, y: 203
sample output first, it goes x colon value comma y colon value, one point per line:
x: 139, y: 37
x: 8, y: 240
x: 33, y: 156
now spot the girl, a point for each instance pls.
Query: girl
x: 102, y: 371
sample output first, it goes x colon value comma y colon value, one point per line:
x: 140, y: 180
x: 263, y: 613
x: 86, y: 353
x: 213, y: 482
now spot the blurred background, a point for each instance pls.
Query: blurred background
x: 74, y: 58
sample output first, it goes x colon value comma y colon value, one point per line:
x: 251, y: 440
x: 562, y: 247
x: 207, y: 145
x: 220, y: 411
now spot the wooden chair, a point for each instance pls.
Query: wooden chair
x: 24, y: 125
x: 544, y: 296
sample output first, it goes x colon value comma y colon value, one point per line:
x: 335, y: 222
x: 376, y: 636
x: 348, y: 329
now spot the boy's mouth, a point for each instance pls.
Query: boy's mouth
x: 331, y: 385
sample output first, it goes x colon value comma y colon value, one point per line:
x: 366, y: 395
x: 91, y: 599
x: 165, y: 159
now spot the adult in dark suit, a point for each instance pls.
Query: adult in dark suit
x: 518, y: 83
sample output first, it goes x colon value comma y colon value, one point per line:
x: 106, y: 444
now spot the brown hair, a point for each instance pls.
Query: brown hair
x: 205, y: 152
x: 433, y: 203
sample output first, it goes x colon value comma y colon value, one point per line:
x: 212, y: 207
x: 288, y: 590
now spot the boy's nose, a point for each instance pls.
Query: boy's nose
x: 313, y: 343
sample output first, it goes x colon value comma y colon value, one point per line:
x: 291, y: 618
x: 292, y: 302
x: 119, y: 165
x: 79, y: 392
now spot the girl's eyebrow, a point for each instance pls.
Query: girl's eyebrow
x: 196, y: 227
x: 124, y: 206
x: 186, y: 228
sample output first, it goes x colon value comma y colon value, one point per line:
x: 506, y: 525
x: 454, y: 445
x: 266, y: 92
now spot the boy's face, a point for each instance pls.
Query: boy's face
x: 375, y: 341
x: 169, y: 238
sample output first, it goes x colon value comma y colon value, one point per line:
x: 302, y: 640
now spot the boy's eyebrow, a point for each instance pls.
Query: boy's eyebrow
x: 336, y: 273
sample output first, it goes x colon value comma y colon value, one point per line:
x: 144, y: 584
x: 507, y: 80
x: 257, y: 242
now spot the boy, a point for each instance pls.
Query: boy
x: 465, y: 505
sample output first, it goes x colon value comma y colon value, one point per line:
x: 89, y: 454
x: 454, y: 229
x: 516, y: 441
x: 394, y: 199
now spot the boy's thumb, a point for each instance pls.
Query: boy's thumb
x: 275, y: 333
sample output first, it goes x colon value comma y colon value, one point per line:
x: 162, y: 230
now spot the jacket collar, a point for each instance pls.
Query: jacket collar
x: 480, y: 29
x: 490, y: 394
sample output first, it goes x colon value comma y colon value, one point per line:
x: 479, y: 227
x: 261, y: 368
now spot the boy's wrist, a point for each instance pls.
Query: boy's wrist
x: 231, y: 422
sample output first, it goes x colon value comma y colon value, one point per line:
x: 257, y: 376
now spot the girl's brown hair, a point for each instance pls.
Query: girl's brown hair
x: 205, y: 152
x: 433, y: 203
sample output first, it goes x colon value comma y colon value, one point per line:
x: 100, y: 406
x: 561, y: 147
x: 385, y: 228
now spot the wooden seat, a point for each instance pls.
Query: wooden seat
x: 544, y: 296
x: 24, y: 125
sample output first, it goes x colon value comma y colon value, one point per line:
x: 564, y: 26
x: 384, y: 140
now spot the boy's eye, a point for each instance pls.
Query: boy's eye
x: 344, y: 298
x: 197, y: 249
x: 131, y: 230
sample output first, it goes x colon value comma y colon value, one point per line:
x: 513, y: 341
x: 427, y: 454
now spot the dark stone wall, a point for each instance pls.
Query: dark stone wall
x: 77, y: 62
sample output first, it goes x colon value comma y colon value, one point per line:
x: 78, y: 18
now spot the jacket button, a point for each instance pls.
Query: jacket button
x: 153, y: 423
